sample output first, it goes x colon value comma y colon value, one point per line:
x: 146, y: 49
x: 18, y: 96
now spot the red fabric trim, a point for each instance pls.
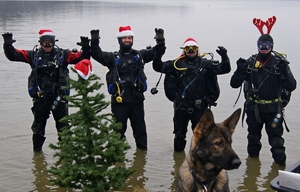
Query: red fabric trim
x: 72, y: 56
x: 24, y: 54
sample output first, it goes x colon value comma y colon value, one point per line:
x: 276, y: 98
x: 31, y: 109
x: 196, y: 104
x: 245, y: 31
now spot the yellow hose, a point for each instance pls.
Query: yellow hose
x: 182, y: 56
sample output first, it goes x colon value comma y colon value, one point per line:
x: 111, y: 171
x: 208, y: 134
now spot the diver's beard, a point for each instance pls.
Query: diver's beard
x: 126, y: 48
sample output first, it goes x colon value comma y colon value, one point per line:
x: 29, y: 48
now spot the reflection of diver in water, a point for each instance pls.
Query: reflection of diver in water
x: 272, y: 174
x: 178, y: 159
x: 40, y: 172
x: 42, y: 177
x: 251, y: 176
x: 253, y: 180
x: 137, y: 179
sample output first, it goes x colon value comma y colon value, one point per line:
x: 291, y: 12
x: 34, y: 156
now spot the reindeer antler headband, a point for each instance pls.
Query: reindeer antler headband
x: 268, y: 23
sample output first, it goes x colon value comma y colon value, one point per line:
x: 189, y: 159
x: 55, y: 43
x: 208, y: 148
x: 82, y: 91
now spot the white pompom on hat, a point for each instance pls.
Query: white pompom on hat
x: 46, y: 32
x: 189, y: 42
x: 125, y: 31
x: 84, y: 68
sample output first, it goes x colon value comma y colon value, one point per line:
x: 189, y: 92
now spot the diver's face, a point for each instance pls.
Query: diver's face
x: 47, y: 45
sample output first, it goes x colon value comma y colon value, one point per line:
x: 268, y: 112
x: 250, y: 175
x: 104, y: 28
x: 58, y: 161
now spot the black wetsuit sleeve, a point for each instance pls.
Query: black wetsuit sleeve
x: 73, y: 57
x: 13, y: 54
x: 147, y: 55
x: 105, y: 58
x: 239, y: 76
x: 287, y: 79
x: 217, y: 68
x: 163, y: 66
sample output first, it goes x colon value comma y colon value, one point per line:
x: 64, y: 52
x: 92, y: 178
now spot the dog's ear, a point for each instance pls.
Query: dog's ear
x: 205, y: 122
x: 232, y: 121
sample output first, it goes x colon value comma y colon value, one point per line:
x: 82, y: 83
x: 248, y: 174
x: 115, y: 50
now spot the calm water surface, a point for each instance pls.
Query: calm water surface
x: 211, y: 23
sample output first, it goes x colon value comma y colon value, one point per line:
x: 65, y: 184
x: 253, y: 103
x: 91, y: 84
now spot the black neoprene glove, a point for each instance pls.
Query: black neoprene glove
x: 241, y: 65
x: 159, y: 35
x: 8, y: 38
x: 84, y: 42
x: 282, y: 67
x: 95, y: 34
x: 222, y: 51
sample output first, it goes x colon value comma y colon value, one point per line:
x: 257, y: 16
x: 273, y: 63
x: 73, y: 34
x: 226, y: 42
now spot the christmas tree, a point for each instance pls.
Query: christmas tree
x: 90, y: 150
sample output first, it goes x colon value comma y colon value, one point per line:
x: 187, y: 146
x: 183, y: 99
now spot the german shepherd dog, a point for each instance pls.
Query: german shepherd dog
x: 210, y: 155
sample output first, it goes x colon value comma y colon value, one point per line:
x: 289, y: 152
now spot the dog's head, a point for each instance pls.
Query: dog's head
x: 211, y: 142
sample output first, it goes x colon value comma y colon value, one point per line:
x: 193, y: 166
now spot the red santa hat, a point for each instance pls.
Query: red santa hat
x: 190, y: 42
x: 46, y: 32
x: 84, y: 68
x: 125, y: 31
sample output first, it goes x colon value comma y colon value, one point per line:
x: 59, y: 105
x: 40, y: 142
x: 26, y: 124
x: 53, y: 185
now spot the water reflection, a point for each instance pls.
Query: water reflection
x: 273, y: 172
x: 253, y: 180
x: 40, y: 172
x: 137, y: 180
x: 41, y: 183
x: 178, y: 158
x: 17, y: 9
x: 251, y: 176
x: 70, y: 19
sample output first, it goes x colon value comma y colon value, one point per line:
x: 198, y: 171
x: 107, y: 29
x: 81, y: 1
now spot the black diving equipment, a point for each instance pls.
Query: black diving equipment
x: 55, y: 103
x: 50, y: 64
x: 154, y: 91
x: 40, y: 93
x: 119, y: 98
x: 277, y: 120
x: 191, y: 49
x: 264, y: 45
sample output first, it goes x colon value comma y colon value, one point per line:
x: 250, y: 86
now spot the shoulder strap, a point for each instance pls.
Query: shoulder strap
x: 138, y: 57
x: 117, y: 57
x: 60, y: 62
x: 35, y: 56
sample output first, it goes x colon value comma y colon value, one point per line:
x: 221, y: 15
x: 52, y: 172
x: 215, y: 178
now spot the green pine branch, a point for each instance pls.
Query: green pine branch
x: 90, y: 146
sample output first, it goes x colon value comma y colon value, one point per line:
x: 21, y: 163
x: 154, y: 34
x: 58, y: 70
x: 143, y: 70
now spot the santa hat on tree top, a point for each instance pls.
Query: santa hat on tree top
x: 84, y: 68
x: 190, y: 42
x: 46, y: 33
x: 125, y: 31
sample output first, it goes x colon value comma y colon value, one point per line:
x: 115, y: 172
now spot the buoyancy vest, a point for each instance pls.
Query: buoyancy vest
x: 211, y: 86
x: 48, y: 74
x: 250, y: 90
x: 127, y: 71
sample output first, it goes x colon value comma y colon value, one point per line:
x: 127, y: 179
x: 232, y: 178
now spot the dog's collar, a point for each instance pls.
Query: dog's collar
x: 203, y: 183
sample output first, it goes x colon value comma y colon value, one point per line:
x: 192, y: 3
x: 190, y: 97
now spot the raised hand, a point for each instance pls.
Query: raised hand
x: 84, y: 42
x: 159, y: 35
x: 222, y: 51
x: 241, y: 65
x: 95, y: 34
x: 8, y: 38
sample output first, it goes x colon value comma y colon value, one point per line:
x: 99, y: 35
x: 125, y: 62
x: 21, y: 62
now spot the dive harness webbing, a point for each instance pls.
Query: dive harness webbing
x: 261, y: 101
